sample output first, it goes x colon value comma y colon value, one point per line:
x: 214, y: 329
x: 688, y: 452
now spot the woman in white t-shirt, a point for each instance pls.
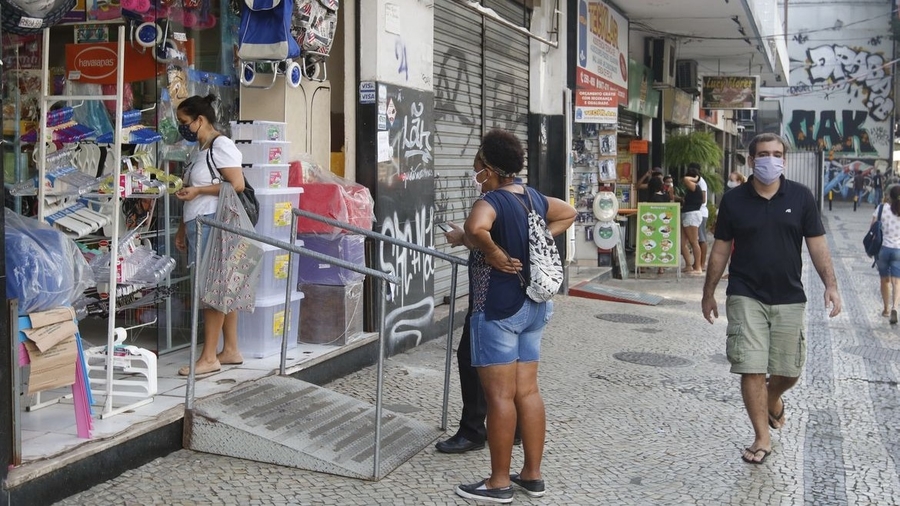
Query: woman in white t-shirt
x: 197, y: 120
x: 888, y: 259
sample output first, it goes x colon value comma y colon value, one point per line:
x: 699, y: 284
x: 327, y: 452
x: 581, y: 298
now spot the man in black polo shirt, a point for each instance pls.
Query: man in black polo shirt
x: 766, y: 220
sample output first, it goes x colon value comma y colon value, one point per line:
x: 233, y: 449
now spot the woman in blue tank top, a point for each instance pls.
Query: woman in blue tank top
x: 506, y: 326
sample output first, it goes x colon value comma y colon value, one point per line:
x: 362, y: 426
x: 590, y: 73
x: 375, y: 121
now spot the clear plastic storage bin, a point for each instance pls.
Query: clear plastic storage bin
x: 263, y: 152
x: 275, y: 212
x: 255, y: 130
x: 267, y: 177
x: 259, y: 332
x: 273, y: 275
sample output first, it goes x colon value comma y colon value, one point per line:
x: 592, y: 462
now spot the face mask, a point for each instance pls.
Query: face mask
x: 478, y: 186
x: 768, y: 169
x: 186, y: 133
x: 733, y: 184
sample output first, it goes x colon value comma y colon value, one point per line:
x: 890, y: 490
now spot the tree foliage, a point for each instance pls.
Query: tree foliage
x: 698, y: 147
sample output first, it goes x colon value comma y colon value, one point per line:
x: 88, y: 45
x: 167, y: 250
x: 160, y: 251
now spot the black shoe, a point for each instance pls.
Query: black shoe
x: 480, y: 492
x: 458, y: 444
x: 534, y: 488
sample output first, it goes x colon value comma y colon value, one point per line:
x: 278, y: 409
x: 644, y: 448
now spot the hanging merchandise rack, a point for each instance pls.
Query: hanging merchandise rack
x: 47, y: 122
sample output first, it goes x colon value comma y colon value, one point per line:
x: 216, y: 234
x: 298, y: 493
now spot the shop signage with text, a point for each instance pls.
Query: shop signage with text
x: 730, y: 92
x: 602, y: 71
x: 97, y: 63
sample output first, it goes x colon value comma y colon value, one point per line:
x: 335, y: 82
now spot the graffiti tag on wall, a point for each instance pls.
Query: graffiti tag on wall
x: 841, y: 99
x: 405, y: 199
x: 864, y: 74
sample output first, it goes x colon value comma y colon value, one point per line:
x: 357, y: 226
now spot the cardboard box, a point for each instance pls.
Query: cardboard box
x: 331, y: 314
x: 52, y: 349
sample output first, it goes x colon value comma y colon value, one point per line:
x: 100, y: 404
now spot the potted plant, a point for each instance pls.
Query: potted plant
x: 696, y: 147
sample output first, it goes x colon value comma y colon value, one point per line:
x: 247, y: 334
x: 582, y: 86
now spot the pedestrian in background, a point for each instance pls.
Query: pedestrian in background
x: 767, y: 220
x: 704, y: 214
x: 877, y: 187
x: 505, y: 325
x: 888, y: 259
x: 859, y: 188
x: 669, y: 187
x: 735, y: 179
x: 691, y: 218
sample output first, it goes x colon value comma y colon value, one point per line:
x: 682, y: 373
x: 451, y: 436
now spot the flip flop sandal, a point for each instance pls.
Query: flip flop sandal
x: 755, y: 453
x: 779, y: 418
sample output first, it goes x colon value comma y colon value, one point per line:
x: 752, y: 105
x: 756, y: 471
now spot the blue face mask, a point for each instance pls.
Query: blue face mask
x: 186, y: 133
x: 767, y: 169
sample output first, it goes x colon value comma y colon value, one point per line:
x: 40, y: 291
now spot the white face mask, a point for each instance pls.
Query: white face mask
x: 478, y: 186
x: 733, y: 184
x: 768, y: 169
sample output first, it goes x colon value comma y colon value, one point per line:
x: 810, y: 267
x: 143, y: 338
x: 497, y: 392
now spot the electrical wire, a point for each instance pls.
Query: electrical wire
x: 646, y: 28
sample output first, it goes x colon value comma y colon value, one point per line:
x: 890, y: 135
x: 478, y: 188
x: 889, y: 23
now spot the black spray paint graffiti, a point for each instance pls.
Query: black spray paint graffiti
x: 826, y: 133
x: 453, y: 198
x: 452, y: 82
x: 863, y: 73
x: 457, y: 98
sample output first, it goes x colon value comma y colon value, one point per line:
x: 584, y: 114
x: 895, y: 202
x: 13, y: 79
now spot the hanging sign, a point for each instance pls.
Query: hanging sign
x: 639, y: 147
x: 602, y: 71
x: 730, y: 92
x: 659, y: 241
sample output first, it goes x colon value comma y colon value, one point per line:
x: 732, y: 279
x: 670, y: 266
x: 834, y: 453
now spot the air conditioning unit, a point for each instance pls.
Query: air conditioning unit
x: 744, y: 117
x: 660, y: 58
x: 686, y: 77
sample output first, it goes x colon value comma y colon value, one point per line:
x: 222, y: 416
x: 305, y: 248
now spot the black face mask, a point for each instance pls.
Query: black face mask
x: 186, y: 133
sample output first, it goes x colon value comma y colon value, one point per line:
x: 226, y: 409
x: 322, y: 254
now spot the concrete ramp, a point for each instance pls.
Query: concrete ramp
x: 285, y: 421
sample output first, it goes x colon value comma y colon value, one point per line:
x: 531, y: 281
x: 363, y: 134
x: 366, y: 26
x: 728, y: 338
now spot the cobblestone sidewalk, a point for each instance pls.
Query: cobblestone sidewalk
x: 641, y: 410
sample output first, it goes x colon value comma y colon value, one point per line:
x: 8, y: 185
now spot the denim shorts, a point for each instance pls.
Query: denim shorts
x: 517, y: 338
x: 190, y: 228
x: 763, y: 338
x: 888, y: 262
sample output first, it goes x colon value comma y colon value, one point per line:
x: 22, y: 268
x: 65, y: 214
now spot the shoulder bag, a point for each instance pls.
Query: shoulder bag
x: 874, y: 237
x: 247, y: 197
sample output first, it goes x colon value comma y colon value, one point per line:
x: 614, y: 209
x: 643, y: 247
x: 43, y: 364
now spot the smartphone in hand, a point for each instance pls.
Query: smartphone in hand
x: 444, y: 227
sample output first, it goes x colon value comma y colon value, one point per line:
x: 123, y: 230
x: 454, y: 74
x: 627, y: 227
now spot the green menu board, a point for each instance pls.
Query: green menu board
x: 658, y: 235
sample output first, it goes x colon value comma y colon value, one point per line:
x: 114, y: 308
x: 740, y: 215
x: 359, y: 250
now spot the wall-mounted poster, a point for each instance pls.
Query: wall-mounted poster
x: 659, y: 239
x: 730, y: 92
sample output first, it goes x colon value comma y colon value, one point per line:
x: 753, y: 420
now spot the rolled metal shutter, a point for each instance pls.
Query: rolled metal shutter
x: 466, y: 105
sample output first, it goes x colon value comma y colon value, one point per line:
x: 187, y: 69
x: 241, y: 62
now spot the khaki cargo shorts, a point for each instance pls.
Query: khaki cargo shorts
x: 763, y: 338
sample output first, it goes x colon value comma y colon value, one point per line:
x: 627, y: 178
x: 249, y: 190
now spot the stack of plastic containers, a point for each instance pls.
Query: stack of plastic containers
x: 334, y: 316
x: 265, y: 158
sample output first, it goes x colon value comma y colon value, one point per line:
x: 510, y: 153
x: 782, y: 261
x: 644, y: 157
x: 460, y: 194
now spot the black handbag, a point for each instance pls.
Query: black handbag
x: 874, y: 237
x: 247, y: 197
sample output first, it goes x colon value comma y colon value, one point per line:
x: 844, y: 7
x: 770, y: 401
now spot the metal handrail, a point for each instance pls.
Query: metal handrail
x: 383, y: 279
x: 455, y: 262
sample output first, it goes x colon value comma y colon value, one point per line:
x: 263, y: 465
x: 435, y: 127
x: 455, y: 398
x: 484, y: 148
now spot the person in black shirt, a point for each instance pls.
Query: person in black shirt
x: 877, y: 187
x: 859, y: 187
x: 767, y: 220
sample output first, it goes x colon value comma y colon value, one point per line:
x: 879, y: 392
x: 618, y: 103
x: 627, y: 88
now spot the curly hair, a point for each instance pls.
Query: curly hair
x: 502, y: 152
x: 199, y: 106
